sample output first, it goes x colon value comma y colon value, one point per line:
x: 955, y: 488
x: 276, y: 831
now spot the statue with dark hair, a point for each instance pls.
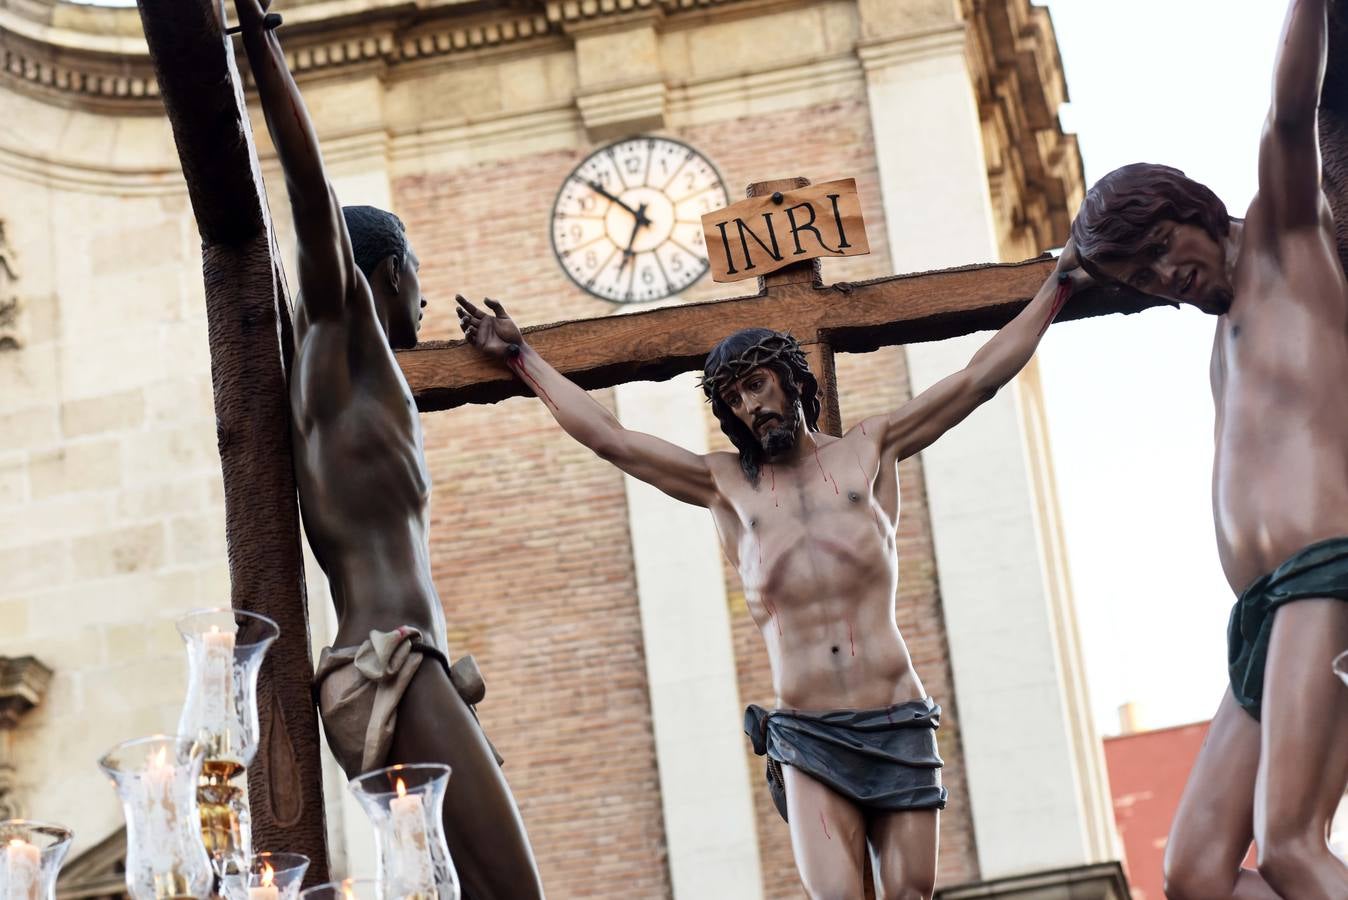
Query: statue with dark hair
x: 740, y: 354
x: 1273, y: 767
x: 376, y: 235
x: 809, y: 521
x: 386, y: 691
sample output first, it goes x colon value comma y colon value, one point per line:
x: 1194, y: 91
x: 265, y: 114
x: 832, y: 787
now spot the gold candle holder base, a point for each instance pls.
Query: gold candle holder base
x: 222, y: 799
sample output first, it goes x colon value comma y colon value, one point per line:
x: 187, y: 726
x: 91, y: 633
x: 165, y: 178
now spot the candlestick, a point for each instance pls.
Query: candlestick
x: 225, y: 649
x: 156, y: 780
x: 406, y: 806
x: 271, y: 876
x: 30, y: 859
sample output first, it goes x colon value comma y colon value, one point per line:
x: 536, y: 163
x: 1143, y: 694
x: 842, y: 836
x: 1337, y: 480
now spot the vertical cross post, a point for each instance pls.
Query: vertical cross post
x: 248, y: 324
x: 818, y: 352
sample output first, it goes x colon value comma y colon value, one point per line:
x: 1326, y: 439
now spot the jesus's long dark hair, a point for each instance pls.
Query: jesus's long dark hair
x: 734, y: 358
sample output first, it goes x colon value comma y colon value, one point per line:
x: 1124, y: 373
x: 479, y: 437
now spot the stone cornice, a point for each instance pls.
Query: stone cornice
x: 97, y: 58
x: 1034, y: 168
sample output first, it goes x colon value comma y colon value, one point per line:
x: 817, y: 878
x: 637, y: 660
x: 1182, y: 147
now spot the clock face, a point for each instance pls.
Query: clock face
x: 627, y: 223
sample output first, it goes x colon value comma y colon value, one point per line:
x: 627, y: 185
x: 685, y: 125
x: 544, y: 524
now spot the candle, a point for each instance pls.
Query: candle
x: 161, y: 810
x: 266, y: 890
x: 23, y: 871
x: 411, y: 851
x: 217, y: 679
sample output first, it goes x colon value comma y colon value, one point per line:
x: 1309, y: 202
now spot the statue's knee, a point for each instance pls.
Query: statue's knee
x: 1195, y: 878
x: 1286, y: 855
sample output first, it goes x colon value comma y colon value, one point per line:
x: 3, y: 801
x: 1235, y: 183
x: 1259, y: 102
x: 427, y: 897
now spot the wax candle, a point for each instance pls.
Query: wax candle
x: 266, y: 890
x: 161, y: 810
x: 411, y: 850
x: 217, y: 678
x: 23, y: 871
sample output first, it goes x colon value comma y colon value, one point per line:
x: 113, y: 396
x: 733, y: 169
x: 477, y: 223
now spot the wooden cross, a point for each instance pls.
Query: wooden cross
x: 847, y: 317
x: 249, y: 332
x: 248, y: 323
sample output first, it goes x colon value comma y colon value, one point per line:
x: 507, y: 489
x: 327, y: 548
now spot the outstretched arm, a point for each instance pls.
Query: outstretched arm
x: 682, y: 474
x: 945, y: 404
x: 327, y: 267
x: 1289, y: 153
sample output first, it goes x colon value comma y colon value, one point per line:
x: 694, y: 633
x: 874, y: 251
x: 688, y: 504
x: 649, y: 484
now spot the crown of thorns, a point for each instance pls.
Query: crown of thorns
x: 770, y: 348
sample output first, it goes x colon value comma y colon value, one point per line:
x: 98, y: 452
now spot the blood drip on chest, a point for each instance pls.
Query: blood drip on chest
x: 825, y: 475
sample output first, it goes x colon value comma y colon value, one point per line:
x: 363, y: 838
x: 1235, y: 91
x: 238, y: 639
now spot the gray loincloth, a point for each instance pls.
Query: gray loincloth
x: 880, y: 759
x: 358, y: 690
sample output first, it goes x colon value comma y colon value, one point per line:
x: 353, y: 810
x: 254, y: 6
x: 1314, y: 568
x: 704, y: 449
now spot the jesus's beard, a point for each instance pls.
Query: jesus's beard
x: 780, y: 437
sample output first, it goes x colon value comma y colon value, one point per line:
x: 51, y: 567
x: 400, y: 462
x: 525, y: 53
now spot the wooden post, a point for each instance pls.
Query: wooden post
x: 248, y: 323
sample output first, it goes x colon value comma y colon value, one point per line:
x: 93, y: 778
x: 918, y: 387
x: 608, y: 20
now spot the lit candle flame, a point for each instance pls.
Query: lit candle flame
x: 159, y: 758
x: 16, y: 843
x: 268, y: 873
x: 346, y: 890
x: 402, y: 788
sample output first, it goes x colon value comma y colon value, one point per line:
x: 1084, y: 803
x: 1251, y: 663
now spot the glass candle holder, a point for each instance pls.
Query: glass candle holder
x: 406, y: 806
x: 271, y: 876
x: 156, y: 779
x: 1341, y: 666
x: 31, y: 854
x: 350, y: 889
x: 225, y: 648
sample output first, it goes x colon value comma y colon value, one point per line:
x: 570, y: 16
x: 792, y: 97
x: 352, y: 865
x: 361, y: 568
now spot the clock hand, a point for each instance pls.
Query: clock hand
x: 636, y: 226
x: 601, y: 191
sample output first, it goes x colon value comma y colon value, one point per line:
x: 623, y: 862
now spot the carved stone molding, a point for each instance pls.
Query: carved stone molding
x: 23, y: 684
x: 11, y: 308
x: 1034, y: 169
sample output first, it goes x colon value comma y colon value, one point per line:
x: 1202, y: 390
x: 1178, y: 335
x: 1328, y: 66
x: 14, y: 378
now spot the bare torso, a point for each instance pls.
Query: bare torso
x: 361, y: 473
x: 1279, y: 370
x: 815, y: 548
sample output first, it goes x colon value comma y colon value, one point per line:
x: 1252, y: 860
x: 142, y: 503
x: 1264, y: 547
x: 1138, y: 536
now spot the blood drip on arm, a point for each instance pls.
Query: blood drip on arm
x: 520, y: 368
x: 1059, y: 300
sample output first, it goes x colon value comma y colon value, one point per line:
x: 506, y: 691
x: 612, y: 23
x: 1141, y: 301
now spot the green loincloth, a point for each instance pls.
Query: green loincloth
x: 1320, y: 570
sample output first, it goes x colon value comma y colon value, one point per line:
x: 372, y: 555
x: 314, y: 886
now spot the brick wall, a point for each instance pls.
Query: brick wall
x: 530, y: 546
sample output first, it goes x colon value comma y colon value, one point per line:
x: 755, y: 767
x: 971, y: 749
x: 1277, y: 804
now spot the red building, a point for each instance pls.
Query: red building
x: 1147, y: 772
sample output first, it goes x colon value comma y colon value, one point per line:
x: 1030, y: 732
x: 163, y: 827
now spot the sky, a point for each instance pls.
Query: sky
x: 1187, y: 83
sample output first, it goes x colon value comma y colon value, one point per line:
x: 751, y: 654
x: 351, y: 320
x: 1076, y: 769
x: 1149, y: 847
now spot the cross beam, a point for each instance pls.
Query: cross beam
x: 850, y: 317
x: 248, y: 323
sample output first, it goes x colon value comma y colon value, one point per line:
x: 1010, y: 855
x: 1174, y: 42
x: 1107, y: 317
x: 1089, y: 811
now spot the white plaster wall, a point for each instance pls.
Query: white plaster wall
x: 690, y: 663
